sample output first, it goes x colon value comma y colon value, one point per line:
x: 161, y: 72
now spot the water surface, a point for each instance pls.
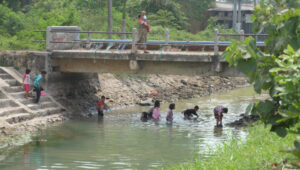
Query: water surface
x: 122, y: 141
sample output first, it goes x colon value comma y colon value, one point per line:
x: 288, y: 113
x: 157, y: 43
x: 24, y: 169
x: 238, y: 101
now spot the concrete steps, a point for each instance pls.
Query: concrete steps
x: 42, y: 105
x: 48, y: 111
x: 14, y: 89
x: 18, y: 95
x: 11, y: 110
x: 5, y: 76
x: 2, y: 95
x: 17, y: 118
x: 7, y: 103
x: 12, y: 82
x: 23, y: 117
x: 15, y: 109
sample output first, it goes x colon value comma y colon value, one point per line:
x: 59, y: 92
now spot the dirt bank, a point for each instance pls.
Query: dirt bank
x: 132, y: 89
x: 80, y: 92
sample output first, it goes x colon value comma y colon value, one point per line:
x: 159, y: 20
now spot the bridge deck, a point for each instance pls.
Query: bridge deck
x: 180, y: 56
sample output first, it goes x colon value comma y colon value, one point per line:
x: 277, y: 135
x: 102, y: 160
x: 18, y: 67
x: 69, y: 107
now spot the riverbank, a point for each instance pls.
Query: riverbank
x: 122, y: 90
x: 261, y: 150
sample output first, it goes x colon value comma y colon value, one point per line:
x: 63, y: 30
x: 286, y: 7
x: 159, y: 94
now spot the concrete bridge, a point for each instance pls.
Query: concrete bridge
x: 68, y: 53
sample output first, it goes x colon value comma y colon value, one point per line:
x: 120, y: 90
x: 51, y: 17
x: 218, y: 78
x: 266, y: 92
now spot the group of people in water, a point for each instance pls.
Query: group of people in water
x: 154, y: 112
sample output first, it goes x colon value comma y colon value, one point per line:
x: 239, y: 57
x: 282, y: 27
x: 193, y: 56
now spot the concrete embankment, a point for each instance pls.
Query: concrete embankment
x: 20, y: 117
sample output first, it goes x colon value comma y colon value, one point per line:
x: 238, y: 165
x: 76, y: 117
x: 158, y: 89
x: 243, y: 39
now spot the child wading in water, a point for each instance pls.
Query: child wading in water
x: 156, y: 113
x: 101, y: 106
x: 169, y: 117
x: 190, y: 112
x: 26, y: 83
x: 218, y: 113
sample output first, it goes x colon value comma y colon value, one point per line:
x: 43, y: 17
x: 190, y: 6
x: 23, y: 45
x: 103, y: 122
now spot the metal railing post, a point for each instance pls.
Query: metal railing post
x: 89, y: 38
x: 48, y: 38
x: 242, y: 36
x: 217, y: 63
x: 134, y: 36
x: 216, y: 46
x: 167, y: 36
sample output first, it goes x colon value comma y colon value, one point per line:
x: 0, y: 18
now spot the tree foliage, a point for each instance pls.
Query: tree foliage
x: 19, y: 18
x: 277, y: 68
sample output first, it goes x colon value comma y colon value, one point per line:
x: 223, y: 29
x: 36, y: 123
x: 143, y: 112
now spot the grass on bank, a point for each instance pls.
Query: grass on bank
x: 261, y: 150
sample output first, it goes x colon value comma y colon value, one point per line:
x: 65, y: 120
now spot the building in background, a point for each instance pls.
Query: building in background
x: 223, y: 12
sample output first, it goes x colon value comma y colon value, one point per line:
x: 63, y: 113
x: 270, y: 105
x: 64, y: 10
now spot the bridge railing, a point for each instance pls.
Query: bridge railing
x: 89, y: 42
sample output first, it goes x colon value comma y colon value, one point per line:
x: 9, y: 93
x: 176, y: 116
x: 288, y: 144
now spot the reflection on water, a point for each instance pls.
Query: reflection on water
x: 121, y: 141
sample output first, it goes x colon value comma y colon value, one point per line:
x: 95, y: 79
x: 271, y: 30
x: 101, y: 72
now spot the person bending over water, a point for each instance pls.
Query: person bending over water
x: 218, y: 113
x: 190, y: 112
x: 169, y: 117
x: 101, y: 106
x: 156, y: 113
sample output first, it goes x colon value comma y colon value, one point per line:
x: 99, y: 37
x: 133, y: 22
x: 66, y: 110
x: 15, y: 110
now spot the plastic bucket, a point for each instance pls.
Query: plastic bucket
x: 43, y: 93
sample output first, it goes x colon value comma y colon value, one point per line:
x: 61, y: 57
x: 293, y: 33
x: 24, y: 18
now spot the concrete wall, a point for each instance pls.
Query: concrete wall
x: 34, y: 60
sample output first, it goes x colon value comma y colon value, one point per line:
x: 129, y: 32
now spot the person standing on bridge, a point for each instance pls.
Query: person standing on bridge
x: 143, y: 30
x: 37, y: 85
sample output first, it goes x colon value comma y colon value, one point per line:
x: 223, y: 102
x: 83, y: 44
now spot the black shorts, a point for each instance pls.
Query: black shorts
x: 100, y: 113
x: 217, y: 116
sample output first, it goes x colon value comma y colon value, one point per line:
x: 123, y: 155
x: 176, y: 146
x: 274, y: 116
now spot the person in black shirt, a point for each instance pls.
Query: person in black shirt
x: 190, y: 112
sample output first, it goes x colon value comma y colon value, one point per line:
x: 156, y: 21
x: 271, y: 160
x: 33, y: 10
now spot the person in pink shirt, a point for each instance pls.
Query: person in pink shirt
x: 26, y: 83
x: 156, y: 113
x: 169, y: 117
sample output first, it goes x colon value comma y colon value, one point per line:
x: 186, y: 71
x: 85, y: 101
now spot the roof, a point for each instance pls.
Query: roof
x: 227, y: 6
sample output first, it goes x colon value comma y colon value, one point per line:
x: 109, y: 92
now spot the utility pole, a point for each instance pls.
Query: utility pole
x: 110, y: 21
x: 124, y: 20
x: 234, y: 15
x: 239, y: 15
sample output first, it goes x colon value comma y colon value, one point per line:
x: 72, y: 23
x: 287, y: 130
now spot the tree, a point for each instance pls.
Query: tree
x: 277, y: 68
x: 124, y: 20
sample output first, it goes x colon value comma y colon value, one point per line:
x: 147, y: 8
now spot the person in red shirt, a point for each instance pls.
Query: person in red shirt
x: 101, y: 106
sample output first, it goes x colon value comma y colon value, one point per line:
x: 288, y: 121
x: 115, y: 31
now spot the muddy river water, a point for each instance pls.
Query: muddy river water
x: 122, y: 141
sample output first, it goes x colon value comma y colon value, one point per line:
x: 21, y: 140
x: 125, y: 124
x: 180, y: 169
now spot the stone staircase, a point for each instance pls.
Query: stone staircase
x: 16, y: 110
